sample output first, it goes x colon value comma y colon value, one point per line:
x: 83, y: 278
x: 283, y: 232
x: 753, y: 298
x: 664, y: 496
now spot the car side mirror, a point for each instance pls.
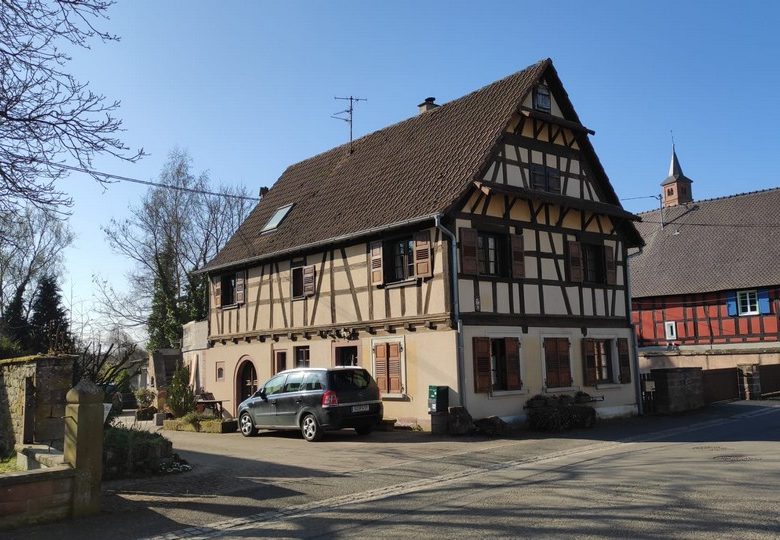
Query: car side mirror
x: 261, y: 394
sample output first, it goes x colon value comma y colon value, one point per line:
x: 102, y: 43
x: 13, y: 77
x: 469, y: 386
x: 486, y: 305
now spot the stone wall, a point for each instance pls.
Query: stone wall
x: 678, y: 389
x: 707, y: 359
x: 36, y: 496
x: 51, y: 378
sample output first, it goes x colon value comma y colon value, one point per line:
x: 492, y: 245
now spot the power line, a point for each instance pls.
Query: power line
x: 642, y: 197
x: 145, y: 182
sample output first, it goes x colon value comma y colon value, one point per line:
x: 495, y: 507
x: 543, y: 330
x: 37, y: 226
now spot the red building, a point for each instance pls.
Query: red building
x: 706, y: 286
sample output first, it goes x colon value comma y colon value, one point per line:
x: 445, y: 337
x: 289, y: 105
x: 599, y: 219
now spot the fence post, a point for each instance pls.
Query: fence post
x: 84, y: 445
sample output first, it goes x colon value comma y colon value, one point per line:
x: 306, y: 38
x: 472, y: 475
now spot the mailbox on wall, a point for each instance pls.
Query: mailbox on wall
x: 438, y: 399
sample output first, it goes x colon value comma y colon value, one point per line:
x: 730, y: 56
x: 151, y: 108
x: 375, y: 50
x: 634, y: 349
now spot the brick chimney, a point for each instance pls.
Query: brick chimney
x: 427, y: 105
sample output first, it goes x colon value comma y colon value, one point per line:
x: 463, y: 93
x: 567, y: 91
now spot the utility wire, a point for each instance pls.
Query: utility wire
x: 145, y: 182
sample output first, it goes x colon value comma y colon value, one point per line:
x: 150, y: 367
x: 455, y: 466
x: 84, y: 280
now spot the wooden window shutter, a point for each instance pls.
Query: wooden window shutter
x: 731, y: 304
x: 763, y: 302
x: 589, y: 362
x: 380, y: 366
x: 469, y: 239
x: 482, y: 367
x: 551, y: 363
x: 564, y: 362
x: 422, y: 254
x: 624, y: 360
x: 394, y: 368
x: 518, y: 256
x: 553, y: 180
x: 218, y: 292
x: 512, y: 348
x: 377, y: 272
x: 538, y: 177
x: 239, y: 293
x: 309, y: 282
x: 575, y: 262
x: 609, y: 265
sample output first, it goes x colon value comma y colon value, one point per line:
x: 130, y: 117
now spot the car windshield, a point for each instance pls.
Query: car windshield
x: 350, y: 379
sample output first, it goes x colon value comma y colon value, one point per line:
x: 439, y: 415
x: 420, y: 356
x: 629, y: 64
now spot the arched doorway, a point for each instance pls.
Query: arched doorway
x: 246, y: 380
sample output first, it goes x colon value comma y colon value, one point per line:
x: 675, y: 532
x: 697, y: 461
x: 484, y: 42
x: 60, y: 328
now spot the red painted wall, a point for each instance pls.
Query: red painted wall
x: 702, y: 319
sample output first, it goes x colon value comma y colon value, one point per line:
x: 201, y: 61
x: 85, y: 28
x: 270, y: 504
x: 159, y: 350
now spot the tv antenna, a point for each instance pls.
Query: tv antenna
x: 348, y: 111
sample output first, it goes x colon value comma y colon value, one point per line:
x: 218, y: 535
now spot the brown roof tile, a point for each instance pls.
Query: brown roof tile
x: 407, y: 171
x: 710, y: 245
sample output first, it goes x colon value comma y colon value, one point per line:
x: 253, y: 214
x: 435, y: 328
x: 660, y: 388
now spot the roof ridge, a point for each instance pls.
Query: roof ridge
x: 418, y: 116
x: 712, y: 199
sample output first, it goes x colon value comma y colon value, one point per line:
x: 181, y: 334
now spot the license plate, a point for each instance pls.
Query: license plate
x: 359, y: 408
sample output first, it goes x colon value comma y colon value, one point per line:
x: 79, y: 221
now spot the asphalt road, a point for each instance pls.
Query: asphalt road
x: 710, y: 474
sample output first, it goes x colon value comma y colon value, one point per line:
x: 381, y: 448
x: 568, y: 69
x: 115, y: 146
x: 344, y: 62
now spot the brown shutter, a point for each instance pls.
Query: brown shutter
x: 469, y: 240
x: 553, y: 180
x: 538, y: 177
x: 482, y: 366
x: 609, y: 265
x: 564, y: 362
x: 556, y: 361
x: 309, y: 274
x: 422, y: 254
x: 624, y: 360
x: 551, y: 362
x: 238, y: 298
x: 218, y: 292
x: 377, y: 272
x: 394, y: 368
x: 518, y: 256
x: 575, y: 261
x: 589, y: 362
x: 513, y: 380
x: 380, y: 366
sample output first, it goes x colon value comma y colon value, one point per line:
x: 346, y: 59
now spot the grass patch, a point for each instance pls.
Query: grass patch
x: 8, y: 464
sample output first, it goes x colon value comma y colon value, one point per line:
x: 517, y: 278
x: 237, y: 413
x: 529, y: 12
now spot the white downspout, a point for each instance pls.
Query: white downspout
x: 455, y: 306
x: 634, y: 345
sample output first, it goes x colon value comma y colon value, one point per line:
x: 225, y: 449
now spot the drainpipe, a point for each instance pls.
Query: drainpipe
x: 455, y: 305
x: 634, y: 344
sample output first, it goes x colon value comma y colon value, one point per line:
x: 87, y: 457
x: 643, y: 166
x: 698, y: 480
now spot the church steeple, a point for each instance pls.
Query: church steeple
x: 676, y: 189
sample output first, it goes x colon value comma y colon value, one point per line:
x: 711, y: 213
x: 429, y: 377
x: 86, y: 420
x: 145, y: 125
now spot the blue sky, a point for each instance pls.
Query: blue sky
x: 247, y: 88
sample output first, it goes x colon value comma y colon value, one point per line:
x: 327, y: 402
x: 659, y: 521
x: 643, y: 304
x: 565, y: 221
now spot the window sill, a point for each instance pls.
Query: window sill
x: 508, y: 393
x: 751, y: 314
x: 404, y: 283
x: 229, y: 307
x: 561, y: 389
x: 607, y: 386
x: 395, y: 397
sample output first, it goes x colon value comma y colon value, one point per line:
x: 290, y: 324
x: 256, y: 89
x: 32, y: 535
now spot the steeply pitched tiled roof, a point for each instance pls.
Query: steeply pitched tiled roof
x: 711, y: 245
x: 408, y: 171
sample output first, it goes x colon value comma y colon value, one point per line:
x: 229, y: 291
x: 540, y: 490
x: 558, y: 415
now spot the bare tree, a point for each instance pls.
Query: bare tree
x: 46, y: 114
x: 31, y: 245
x: 172, y: 233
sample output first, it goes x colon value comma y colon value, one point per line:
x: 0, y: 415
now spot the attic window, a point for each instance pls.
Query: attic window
x: 277, y: 218
x: 542, y: 98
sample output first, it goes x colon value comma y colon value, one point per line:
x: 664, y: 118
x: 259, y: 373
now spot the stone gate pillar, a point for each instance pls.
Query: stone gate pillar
x: 750, y: 381
x: 84, y: 445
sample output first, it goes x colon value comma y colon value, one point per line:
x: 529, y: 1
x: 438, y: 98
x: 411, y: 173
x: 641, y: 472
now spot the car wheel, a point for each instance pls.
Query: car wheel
x: 364, y: 430
x: 248, y: 428
x: 310, y: 428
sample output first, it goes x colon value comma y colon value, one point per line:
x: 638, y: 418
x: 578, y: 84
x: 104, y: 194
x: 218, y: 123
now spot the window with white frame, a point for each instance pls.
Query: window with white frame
x: 747, y: 302
x: 670, y: 329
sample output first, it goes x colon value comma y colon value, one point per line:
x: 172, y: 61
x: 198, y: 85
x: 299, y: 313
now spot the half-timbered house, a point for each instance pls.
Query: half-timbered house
x: 706, y: 285
x: 477, y: 245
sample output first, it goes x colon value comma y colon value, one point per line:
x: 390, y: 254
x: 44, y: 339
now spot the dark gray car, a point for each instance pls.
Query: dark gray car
x: 314, y: 400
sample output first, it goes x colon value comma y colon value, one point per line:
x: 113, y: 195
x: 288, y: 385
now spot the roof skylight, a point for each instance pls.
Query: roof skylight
x: 277, y: 218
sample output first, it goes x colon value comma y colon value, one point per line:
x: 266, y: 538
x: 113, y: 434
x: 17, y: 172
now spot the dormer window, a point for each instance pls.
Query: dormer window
x: 277, y: 218
x: 542, y: 98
